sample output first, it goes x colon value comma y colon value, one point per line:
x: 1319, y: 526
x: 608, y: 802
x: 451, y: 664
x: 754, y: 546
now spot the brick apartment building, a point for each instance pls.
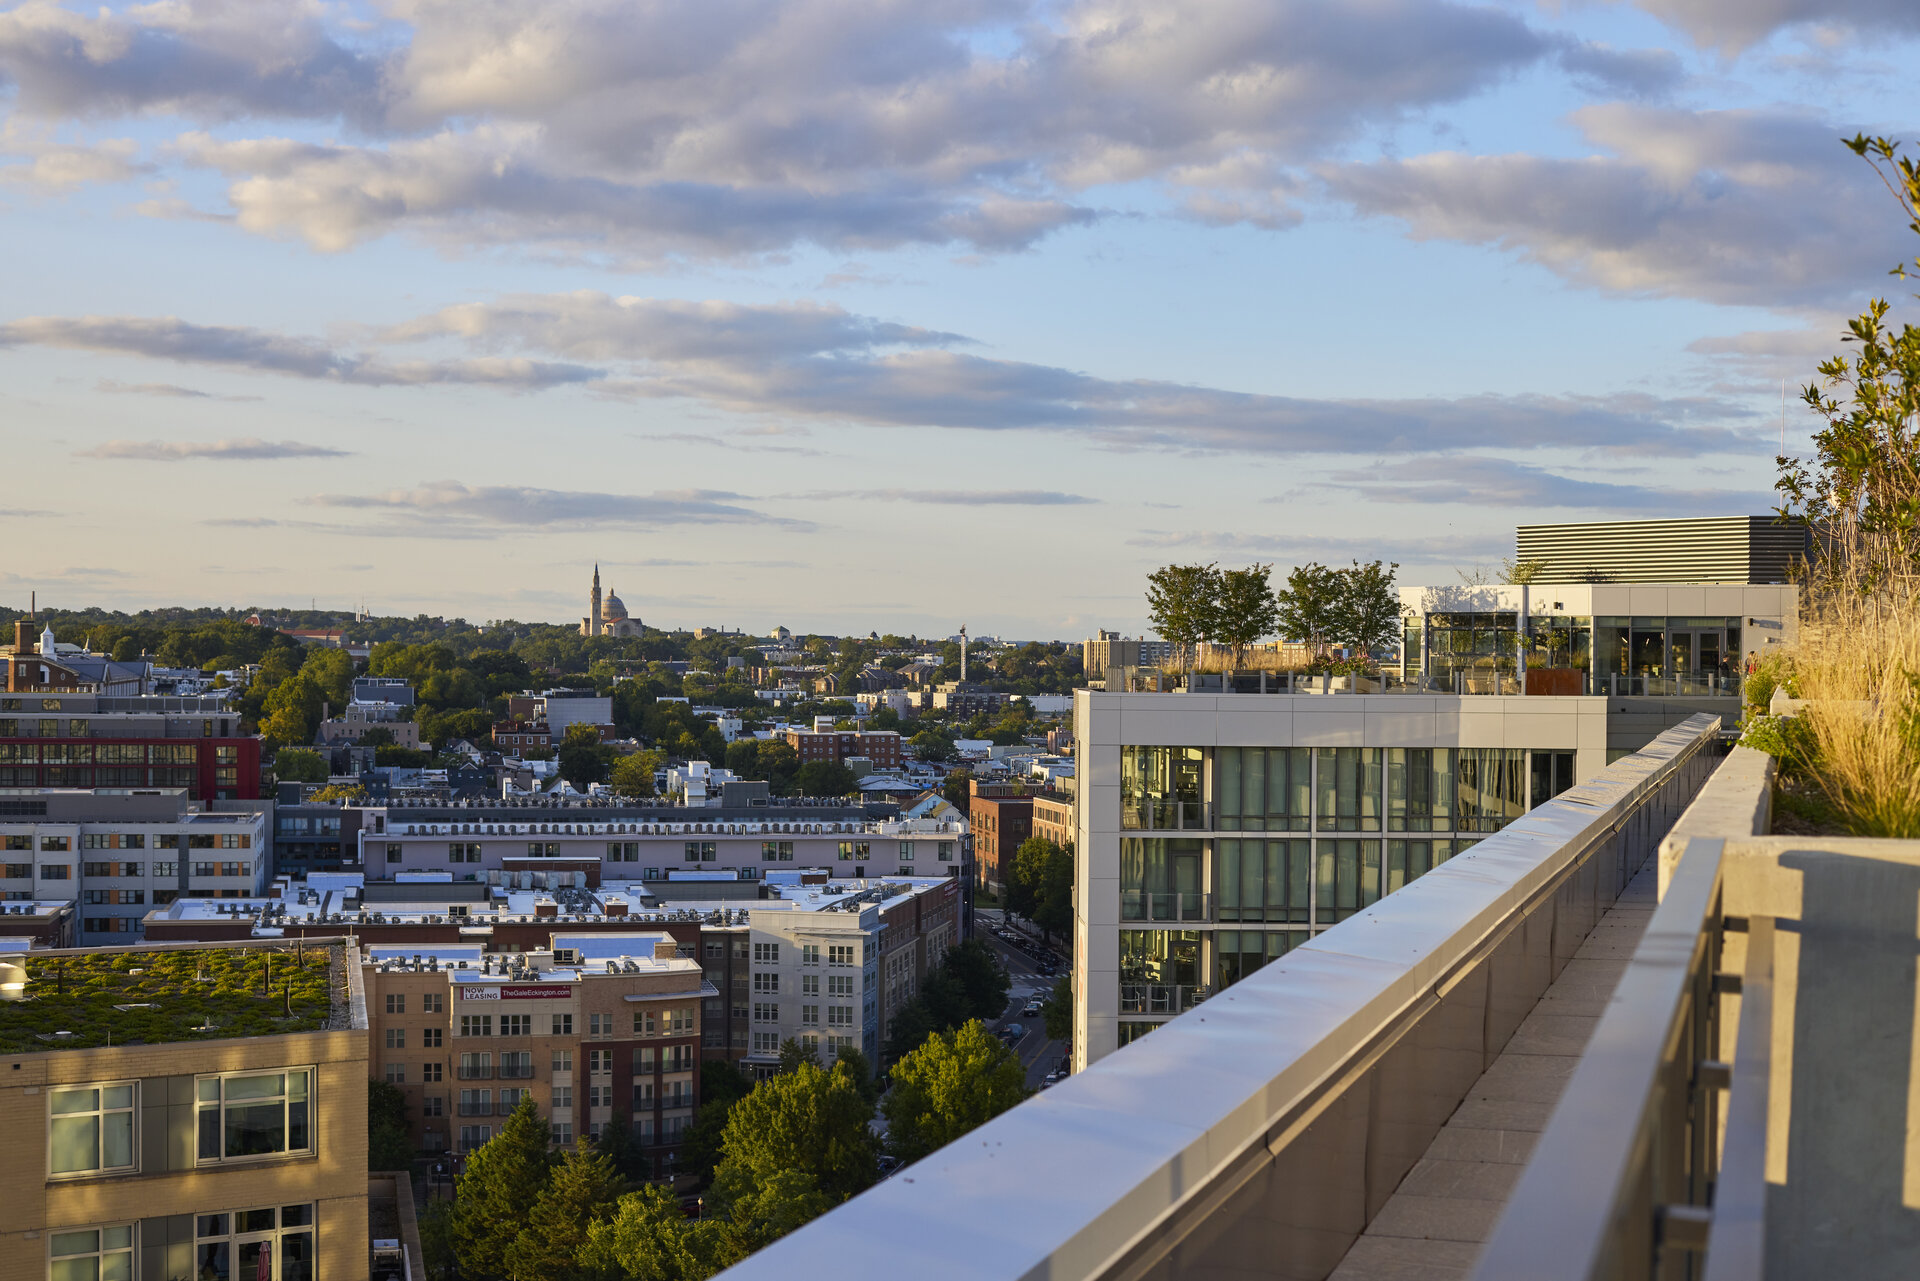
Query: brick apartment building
x: 881, y: 746
x: 1001, y: 819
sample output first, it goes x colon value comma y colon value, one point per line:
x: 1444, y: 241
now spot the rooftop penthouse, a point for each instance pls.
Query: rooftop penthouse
x: 1628, y: 1035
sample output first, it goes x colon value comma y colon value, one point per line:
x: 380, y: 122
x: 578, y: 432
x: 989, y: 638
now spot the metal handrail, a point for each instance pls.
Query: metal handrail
x: 1737, y: 1242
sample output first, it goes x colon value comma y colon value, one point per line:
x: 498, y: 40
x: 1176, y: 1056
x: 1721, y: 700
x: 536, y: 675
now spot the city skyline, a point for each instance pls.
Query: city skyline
x: 770, y: 310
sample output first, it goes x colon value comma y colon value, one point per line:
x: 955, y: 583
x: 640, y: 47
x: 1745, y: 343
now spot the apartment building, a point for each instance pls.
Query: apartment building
x: 78, y: 738
x: 1001, y: 818
x: 233, y: 1155
x: 490, y: 841
x: 881, y: 746
x: 1053, y: 818
x: 1217, y: 832
x: 598, y: 1028
x: 117, y: 854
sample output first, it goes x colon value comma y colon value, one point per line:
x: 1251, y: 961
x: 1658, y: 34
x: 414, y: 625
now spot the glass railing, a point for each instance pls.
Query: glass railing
x: 1144, y: 905
x: 1682, y: 685
x: 1164, y: 814
x: 1160, y: 998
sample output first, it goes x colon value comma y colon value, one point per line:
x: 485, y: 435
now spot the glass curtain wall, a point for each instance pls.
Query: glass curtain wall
x: 1419, y: 789
x: 1160, y: 788
x: 1472, y: 653
x: 1159, y: 971
x: 1349, y: 785
x: 1238, y: 953
x: 1160, y: 880
x: 1491, y: 791
x: 1263, y: 789
x: 1262, y: 880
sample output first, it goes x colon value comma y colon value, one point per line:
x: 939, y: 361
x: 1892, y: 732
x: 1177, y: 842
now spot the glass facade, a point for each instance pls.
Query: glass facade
x: 1408, y: 811
x: 1472, y: 653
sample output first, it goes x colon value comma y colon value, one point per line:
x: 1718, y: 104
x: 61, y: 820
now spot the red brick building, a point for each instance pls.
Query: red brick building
x: 1001, y: 822
x: 881, y: 746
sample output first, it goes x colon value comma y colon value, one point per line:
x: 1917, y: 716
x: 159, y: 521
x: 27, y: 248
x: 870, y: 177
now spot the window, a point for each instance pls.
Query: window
x: 474, y: 1136
x: 53, y: 843
x: 563, y: 1134
x: 431, y: 1003
x: 476, y: 1067
x: 50, y: 728
x: 839, y: 1016
x: 92, y: 1254
x: 809, y: 985
x: 433, y: 1104
x: 839, y: 985
x: 56, y: 871
x: 562, y: 1096
x: 476, y: 1025
x: 563, y: 1060
x: 599, y: 1096
x: 255, y: 1243
x: 1349, y: 786
x: 543, y: 849
x: 396, y: 1002
x: 599, y: 1061
x: 430, y: 1038
x: 809, y: 954
x: 458, y: 852
x: 769, y: 983
x: 1347, y: 876
x: 840, y: 954
x: 599, y: 1025
x: 766, y: 1043
x: 431, y: 1071
x: 906, y: 852
x: 396, y: 1038
x: 766, y: 1012
x: 1262, y: 880
x: 166, y: 869
x: 776, y: 851
x: 396, y: 1074
x: 17, y: 871
x: 701, y: 852
x: 623, y: 851
x: 562, y: 1025
x: 91, y: 1128
x: 516, y: 1025
x: 810, y: 1016
x: 253, y: 1114
x: 766, y: 953
x: 854, y: 849
x: 393, y: 853
x: 946, y: 851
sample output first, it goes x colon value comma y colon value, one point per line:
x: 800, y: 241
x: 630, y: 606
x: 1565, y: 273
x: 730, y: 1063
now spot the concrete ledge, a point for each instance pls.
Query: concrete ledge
x: 1737, y: 801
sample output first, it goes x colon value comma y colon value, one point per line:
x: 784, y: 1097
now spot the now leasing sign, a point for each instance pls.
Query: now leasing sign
x: 516, y: 992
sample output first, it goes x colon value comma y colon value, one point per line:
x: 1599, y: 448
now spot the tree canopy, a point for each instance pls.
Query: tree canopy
x: 952, y: 1083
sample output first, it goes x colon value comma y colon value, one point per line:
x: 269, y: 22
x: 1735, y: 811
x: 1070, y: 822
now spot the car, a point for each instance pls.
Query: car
x: 1032, y: 1008
x: 1058, y: 1074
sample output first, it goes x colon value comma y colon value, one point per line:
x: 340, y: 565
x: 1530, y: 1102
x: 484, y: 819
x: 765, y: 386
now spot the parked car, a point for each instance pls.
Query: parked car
x: 1058, y: 1074
x: 1032, y: 1008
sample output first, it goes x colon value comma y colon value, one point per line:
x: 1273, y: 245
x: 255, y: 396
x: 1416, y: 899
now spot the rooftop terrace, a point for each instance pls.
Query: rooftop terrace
x: 80, y: 999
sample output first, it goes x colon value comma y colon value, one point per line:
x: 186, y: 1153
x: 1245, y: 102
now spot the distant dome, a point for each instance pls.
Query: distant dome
x: 614, y: 608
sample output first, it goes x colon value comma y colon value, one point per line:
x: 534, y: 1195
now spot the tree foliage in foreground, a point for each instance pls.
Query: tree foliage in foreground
x: 953, y: 1083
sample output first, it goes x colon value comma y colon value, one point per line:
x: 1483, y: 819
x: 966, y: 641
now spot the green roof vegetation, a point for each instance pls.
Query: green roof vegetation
x: 190, y: 995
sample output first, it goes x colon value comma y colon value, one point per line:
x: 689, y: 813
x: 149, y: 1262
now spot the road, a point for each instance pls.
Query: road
x: 1035, y: 1049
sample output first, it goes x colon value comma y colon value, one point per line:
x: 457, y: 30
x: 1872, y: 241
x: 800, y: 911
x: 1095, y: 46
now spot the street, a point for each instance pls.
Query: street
x: 1036, y: 1051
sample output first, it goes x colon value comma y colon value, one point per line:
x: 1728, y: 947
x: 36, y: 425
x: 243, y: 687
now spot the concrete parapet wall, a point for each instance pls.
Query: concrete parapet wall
x: 1736, y: 801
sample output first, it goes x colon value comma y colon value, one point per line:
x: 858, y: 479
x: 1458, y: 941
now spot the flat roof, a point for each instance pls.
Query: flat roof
x: 84, y: 999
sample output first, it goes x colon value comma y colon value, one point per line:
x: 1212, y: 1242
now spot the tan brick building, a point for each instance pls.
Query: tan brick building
x: 598, y: 1028
x: 230, y: 1159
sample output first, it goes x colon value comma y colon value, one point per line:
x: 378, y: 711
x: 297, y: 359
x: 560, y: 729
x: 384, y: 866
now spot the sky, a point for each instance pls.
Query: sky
x: 899, y: 315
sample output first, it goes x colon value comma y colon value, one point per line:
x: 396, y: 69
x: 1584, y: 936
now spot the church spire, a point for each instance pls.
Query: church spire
x: 595, y: 619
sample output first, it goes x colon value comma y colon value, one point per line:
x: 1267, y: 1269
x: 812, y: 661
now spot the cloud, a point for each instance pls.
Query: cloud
x: 1734, y: 25
x: 11, y: 513
x: 1501, y: 482
x: 441, y: 503
x: 56, y: 167
x: 255, y: 350
x: 169, y: 390
x: 1633, y: 73
x: 954, y: 497
x: 741, y: 127
x: 1424, y: 550
x: 243, y: 449
x: 1735, y: 207
x: 808, y: 362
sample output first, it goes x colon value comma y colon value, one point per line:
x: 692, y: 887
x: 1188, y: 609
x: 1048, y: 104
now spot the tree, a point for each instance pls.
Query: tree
x: 1368, y: 615
x: 297, y: 765
x: 436, y: 1241
x: 862, y: 1071
x: 650, y: 1238
x: 632, y: 774
x: 811, y: 1121
x: 378, y: 736
x: 1182, y: 601
x: 1058, y: 1011
x: 583, y: 1187
x: 721, y: 1086
x: 794, y: 1052
x: 950, y: 1085
x: 582, y: 760
x: 825, y: 778
x: 1244, y: 609
x: 958, y: 790
x: 983, y: 982
x: 1861, y: 491
x: 617, y: 1143
x: 1519, y: 572
x: 933, y: 746
x: 1310, y: 605
x: 388, y: 1144
x: 405, y: 757
x: 497, y: 1192
x: 345, y: 793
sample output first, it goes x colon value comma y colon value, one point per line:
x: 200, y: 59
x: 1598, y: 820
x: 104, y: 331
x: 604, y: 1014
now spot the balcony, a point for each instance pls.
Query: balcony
x: 475, y: 1072
x: 516, y: 1071
x: 1160, y: 998
x: 1143, y: 905
x: 476, y: 1109
x: 1164, y: 814
x: 1357, y: 1107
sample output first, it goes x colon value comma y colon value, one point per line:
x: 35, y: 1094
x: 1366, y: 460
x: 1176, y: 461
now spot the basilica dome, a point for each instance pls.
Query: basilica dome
x: 614, y: 608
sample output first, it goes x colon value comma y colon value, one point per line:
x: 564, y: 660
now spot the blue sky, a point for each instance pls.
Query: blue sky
x: 900, y: 315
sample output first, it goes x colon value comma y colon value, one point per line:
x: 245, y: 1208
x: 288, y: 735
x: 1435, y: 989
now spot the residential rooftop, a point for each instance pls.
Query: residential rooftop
x: 84, y: 998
